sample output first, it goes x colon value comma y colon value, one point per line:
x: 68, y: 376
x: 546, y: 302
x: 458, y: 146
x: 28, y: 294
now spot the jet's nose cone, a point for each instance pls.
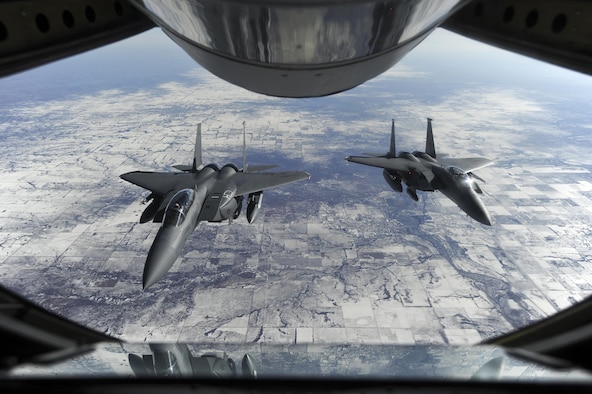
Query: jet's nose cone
x: 474, y: 208
x: 483, y: 218
x: 148, y: 280
x: 160, y: 260
x: 459, y: 188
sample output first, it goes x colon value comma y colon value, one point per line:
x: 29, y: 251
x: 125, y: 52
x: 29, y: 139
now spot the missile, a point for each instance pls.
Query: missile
x: 411, y: 193
x: 151, y: 210
x: 393, y: 181
x: 253, y: 205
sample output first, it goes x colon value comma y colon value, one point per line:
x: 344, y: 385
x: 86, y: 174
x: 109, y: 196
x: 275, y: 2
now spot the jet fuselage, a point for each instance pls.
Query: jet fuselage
x: 180, y: 219
x: 453, y: 182
x: 213, y: 200
x: 458, y: 186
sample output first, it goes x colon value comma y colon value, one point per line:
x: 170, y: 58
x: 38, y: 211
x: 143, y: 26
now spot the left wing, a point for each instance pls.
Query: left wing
x: 248, y: 182
x: 389, y: 163
x: 468, y: 164
x: 394, y: 164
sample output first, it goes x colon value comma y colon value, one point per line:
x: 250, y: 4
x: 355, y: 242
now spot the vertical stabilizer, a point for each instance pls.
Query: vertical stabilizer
x: 392, y: 149
x: 244, y: 147
x: 197, y: 163
x: 430, y: 149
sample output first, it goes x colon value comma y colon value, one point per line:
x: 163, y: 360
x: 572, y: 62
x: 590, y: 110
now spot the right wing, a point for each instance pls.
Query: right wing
x: 248, y: 182
x: 262, y: 167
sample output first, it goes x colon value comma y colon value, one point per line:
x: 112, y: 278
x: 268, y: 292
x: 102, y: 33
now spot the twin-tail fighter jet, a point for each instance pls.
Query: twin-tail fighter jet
x: 424, y: 171
x: 180, y: 200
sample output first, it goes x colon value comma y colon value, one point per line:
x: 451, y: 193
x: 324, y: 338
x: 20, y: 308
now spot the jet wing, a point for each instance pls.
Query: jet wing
x: 247, y: 182
x: 468, y: 164
x: 393, y: 163
x: 160, y: 182
x: 262, y: 167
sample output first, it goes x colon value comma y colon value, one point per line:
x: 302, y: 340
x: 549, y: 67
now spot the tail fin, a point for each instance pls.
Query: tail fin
x: 244, y: 147
x: 392, y: 149
x: 430, y: 149
x: 197, y: 163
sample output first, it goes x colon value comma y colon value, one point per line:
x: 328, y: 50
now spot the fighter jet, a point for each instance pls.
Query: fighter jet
x: 424, y: 171
x: 180, y: 200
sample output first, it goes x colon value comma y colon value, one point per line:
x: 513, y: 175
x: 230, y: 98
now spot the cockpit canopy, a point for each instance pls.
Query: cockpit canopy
x: 455, y: 171
x: 177, y: 208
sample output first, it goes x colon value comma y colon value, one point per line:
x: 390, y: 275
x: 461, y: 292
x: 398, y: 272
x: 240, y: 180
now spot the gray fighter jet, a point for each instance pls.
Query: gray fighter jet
x: 180, y: 200
x: 423, y: 171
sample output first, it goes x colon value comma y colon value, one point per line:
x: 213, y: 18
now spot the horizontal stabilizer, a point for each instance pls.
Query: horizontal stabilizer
x: 183, y: 167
